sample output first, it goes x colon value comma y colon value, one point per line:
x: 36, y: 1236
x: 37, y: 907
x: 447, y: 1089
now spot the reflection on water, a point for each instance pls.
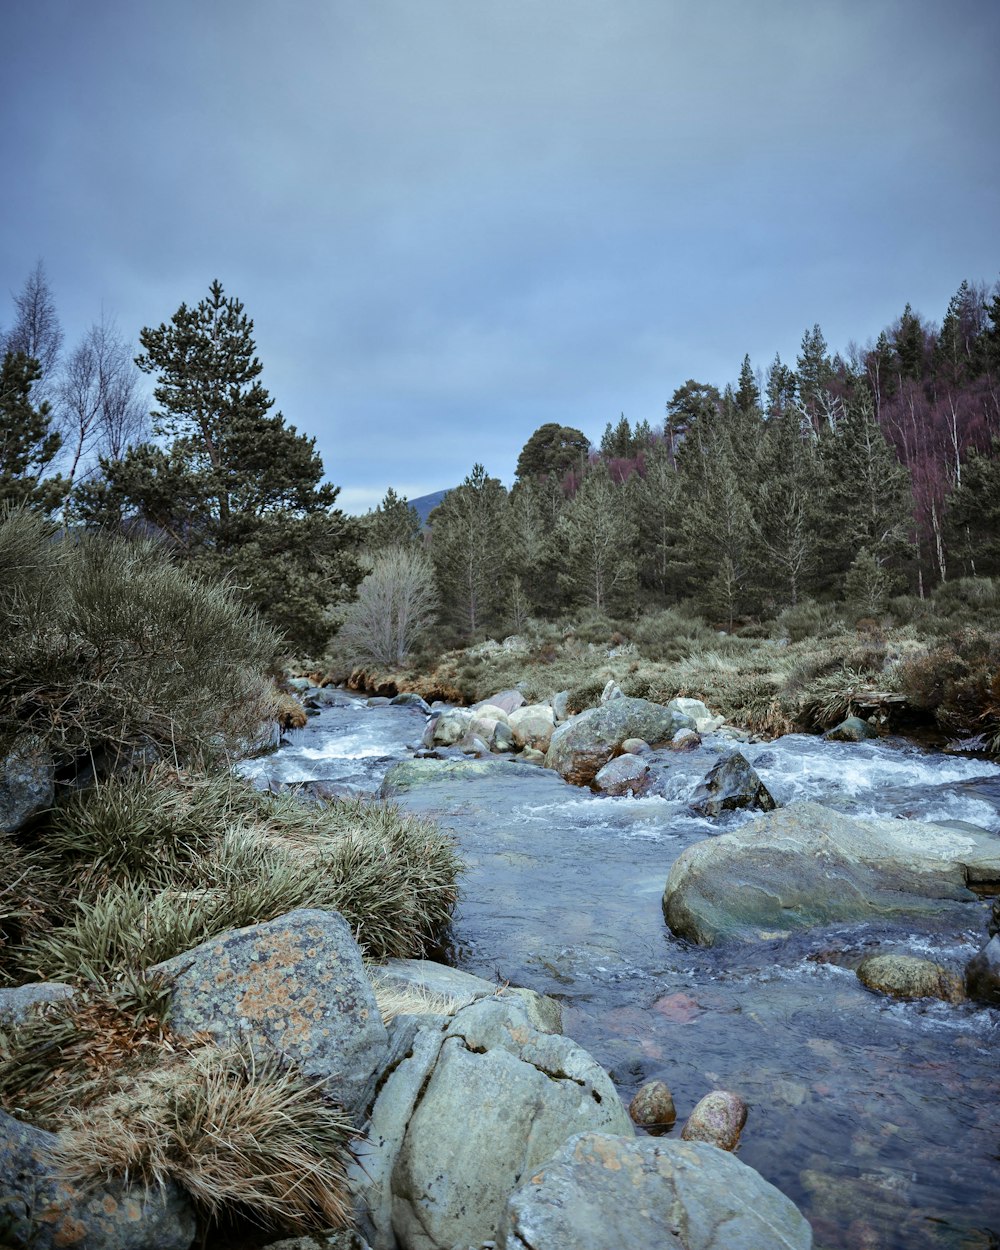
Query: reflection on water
x: 880, y: 1119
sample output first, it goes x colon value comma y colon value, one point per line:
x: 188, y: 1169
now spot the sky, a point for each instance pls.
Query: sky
x: 454, y: 220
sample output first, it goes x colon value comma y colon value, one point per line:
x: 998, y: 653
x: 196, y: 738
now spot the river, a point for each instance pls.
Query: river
x: 880, y: 1119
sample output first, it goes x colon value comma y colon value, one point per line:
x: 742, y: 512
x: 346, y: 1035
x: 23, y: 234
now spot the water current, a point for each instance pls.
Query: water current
x: 879, y: 1118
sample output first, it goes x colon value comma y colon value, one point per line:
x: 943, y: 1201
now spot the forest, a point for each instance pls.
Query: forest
x: 867, y: 477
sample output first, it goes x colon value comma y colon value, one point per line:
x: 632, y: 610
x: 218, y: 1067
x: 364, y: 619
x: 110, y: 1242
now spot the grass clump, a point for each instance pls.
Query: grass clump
x: 242, y: 1132
x: 152, y: 863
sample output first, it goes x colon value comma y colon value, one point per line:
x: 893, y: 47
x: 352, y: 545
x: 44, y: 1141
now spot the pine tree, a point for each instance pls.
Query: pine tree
x: 470, y: 553
x: 394, y: 523
x: 657, y: 510
x: 235, y: 489
x: 747, y: 391
x: 597, y: 540
x: 28, y: 444
x: 552, y: 450
x: 973, y: 514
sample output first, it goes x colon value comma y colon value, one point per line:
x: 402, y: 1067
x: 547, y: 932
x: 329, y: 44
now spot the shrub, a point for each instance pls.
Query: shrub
x: 106, y: 647
x: 959, y: 682
x: 809, y: 619
x: 669, y: 635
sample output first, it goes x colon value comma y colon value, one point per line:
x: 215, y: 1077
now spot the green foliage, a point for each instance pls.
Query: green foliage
x: 394, y: 523
x: 470, y: 555
x: 597, y: 537
x: 28, y: 444
x: 958, y: 682
x: 552, y: 451
x: 974, y: 513
x: 236, y: 490
x: 106, y: 647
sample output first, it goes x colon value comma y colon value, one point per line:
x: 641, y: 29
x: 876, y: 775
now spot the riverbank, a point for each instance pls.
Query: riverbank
x: 934, y: 678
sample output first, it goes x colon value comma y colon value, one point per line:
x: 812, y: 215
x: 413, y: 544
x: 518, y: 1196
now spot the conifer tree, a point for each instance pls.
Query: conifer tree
x: 28, y: 444
x: 234, y: 489
x: 597, y: 539
x: 394, y: 523
x: 552, y: 451
x: 973, y: 513
x: 470, y: 553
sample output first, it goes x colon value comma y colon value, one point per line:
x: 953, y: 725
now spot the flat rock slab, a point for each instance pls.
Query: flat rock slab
x: 464, y: 988
x: 45, y: 1213
x: 606, y: 1193
x: 806, y: 865
x: 410, y: 774
x: 17, y: 1003
x: 298, y: 983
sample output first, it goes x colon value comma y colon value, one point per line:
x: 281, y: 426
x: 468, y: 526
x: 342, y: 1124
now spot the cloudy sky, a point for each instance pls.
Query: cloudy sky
x: 454, y: 220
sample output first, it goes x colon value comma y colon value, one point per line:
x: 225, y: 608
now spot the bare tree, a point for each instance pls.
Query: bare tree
x: 100, y: 403
x: 396, y: 603
x: 36, y: 330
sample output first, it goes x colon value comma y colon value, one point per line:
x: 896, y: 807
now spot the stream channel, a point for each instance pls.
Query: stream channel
x: 879, y: 1118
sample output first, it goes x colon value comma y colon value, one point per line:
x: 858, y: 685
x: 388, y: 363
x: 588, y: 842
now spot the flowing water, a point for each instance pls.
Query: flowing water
x: 880, y: 1119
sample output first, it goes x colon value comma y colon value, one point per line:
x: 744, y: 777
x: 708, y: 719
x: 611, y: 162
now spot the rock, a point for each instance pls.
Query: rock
x: 533, y: 726
x: 653, y: 1106
x: 530, y: 756
x: 298, y: 983
x: 685, y: 740
x: 611, y: 691
x: 27, y: 782
x: 560, y: 705
x: 409, y: 699
x: 463, y: 1114
x: 473, y: 745
x: 705, y: 722
x: 450, y: 727
x: 507, y: 700
x: 607, y: 1193
x: 637, y: 746
x: 298, y: 683
x: 17, y: 1003
x: 993, y: 924
x: 503, y: 737
x: 806, y: 865
x: 464, y: 988
x: 491, y: 711
x: 482, y: 727
x: 378, y: 700
x: 408, y: 774
x: 625, y: 774
x: 731, y: 784
x: 982, y: 974
x: 717, y: 1119
x: 853, y: 729
x: 906, y: 976
x: 584, y: 744
x: 41, y: 1212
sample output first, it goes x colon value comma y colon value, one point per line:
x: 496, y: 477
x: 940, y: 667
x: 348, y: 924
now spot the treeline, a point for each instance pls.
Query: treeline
x: 851, y: 478
x: 846, y: 477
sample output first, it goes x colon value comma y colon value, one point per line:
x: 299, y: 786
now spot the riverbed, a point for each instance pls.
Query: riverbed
x: 880, y: 1119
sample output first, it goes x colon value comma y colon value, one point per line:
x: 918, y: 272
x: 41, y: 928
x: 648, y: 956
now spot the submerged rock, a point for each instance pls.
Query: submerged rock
x: 717, y: 1119
x: 982, y: 974
x: 731, y: 784
x: 653, y: 1108
x: 601, y: 1192
x: 583, y: 745
x: 906, y: 976
x: 806, y: 865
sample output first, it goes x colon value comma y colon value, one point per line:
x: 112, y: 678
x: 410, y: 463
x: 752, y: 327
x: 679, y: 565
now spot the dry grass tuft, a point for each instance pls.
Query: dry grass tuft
x: 409, y: 1000
x: 240, y: 1133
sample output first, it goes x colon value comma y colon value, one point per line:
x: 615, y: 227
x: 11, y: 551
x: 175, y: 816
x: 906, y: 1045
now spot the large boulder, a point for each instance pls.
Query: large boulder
x: 806, y: 865
x: 410, y: 774
x: 297, y: 983
x: 853, y: 729
x: 17, y: 1003
x: 448, y: 728
x: 600, y: 1192
x: 533, y: 725
x: 583, y: 745
x: 731, y: 784
x: 705, y: 721
x: 507, y: 700
x: 40, y: 1211
x: 27, y: 782
x: 467, y: 1108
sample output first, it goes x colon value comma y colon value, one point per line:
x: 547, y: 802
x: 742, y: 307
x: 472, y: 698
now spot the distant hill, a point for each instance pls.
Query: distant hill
x: 425, y: 504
